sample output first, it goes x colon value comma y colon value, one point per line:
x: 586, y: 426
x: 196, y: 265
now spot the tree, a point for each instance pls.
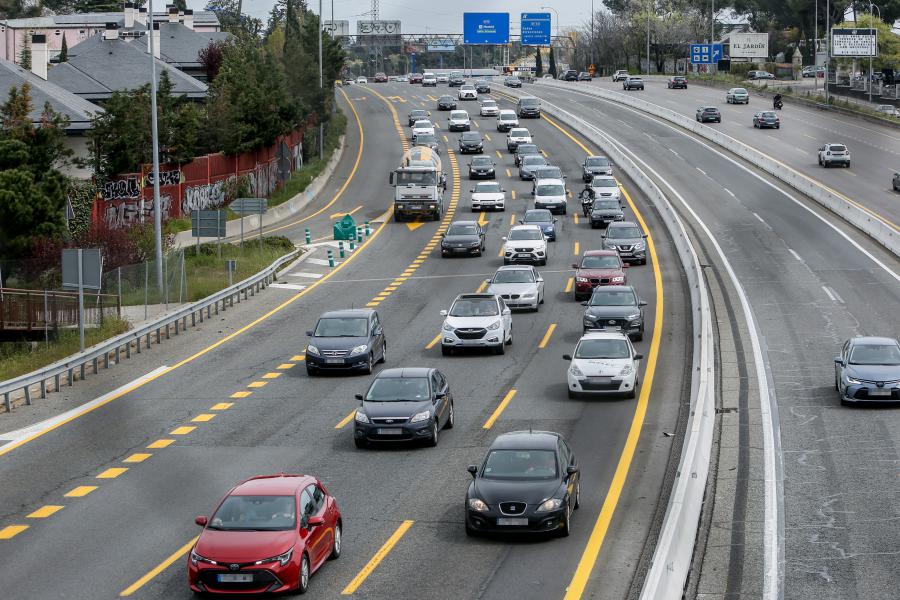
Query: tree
x: 552, y: 69
x: 95, y: 6
x: 25, y: 55
x: 181, y: 5
x: 232, y: 20
x: 64, y: 51
x: 538, y: 63
x: 211, y: 59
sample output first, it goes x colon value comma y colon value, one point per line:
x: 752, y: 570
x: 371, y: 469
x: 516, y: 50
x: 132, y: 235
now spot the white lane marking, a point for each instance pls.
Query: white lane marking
x: 318, y: 261
x: 702, y: 171
x: 761, y: 220
x: 675, y: 153
x: 833, y: 295
x: 795, y: 255
x: 729, y: 192
x: 19, y: 434
x: 304, y: 274
x: 288, y: 286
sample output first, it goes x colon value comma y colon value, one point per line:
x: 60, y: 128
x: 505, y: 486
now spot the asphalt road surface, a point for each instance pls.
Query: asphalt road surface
x: 128, y: 496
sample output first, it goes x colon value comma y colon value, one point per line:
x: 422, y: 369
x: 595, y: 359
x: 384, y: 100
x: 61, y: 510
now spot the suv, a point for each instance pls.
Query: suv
x: 488, y: 194
x: 550, y: 194
x: 456, y: 79
x: 525, y: 243
x: 633, y: 83
x: 604, y: 362
x: 517, y: 136
x: 346, y: 339
x: 443, y: 77
x: 598, y: 267
x: 605, y: 187
x: 737, y: 96
x: 506, y: 120
x: 628, y: 239
x: 529, y: 107
x: 458, y: 121
x: 512, y: 81
x: 476, y: 321
x: 595, y: 165
x: 834, y: 154
x: 677, y: 82
x: 615, y: 306
x: 570, y: 75
x: 467, y: 92
x: 620, y: 75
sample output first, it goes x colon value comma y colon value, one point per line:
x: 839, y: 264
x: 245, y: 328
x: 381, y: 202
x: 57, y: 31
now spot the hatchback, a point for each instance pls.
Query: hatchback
x: 351, y: 339
x: 677, y: 82
x: 709, y: 114
x: 765, y: 119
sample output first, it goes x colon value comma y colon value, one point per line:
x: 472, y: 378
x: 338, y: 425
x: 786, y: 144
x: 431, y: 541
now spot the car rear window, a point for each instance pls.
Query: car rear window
x: 597, y: 161
x: 838, y: 148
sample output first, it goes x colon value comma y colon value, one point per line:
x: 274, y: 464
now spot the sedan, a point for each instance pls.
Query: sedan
x: 463, y: 238
x: 512, y: 82
x: 548, y: 172
x: 677, y: 82
x: 605, y: 186
x: 471, y: 142
x: 520, y: 286
x: 417, y: 115
x: 488, y: 194
x: 524, y: 150
x: 404, y: 405
x: 765, y: 119
x: 628, y: 239
x: 380, y: 78
x: 709, y: 114
x: 528, y: 482
x: 482, y: 167
x: 737, y: 96
x: 595, y: 165
x: 615, y: 307
x: 527, y: 165
x: 868, y: 370
x: 598, y: 267
x: 482, y: 87
x: 458, y: 121
x: 603, y: 363
x: 489, y: 108
x: 633, y: 83
x: 351, y: 339
x: 269, y: 534
x: 753, y: 75
x: 446, y: 103
x: 476, y: 321
x: 544, y: 219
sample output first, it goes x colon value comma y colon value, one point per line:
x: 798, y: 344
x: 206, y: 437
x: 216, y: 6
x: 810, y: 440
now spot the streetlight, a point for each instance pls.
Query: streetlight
x: 870, y: 56
x: 154, y: 132
x: 321, y: 87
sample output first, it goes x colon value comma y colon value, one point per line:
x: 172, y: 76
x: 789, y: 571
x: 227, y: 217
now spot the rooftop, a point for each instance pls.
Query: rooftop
x: 202, y: 18
x: 75, y: 108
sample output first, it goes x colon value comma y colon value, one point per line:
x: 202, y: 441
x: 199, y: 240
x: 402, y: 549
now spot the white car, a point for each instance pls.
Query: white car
x: 834, y: 154
x: 507, y: 119
x: 888, y: 109
x: 422, y: 126
x: 604, y: 362
x: 488, y: 194
x: 620, y: 75
x: 605, y: 186
x: 550, y: 194
x: 516, y: 136
x: 489, y: 108
x: 362, y: 80
x: 476, y: 321
x: 525, y: 244
x: 458, y: 121
x: 429, y: 80
x: 467, y: 92
x: 443, y: 77
x: 520, y: 286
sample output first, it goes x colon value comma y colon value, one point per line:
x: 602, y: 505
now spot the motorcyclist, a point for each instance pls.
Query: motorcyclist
x: 587, y: 199
x: 777, y: 102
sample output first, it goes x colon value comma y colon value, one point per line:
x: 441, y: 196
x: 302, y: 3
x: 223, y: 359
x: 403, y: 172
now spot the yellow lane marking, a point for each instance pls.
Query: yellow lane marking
x: 576, y: 249
x: 272, y: 375
x: 382, y: 295
x: 372, y: 304
x: 508, y: 173
x: 544, y: 153
x: 487, y: 136
x: 498, y: 154
x: 346, y: 419
x: 414, y: 225
x: 416, y: 263
x: 513, y: 194
x: 477, y: 124
x: 183, y: 430
x: 298, y: 357
x: 137, y: 457
x: 433, y: 342
x: 512, y: 219
x: 241, y: 394
x: 481, y: 287
x: 432, y: 98
x: 80, y: 492
x: 11, y: 531
x: 163, y: 443
x: 286, y: 365
x: 258, y: 384
x: 159, y: 568
x: 482, y: 218
x: 221, y: 406
x: 341, y: 214
x: 500, y: 253
x: 445, y: 138
x: 569, y: 283
x: 547, y: 335
x: 499, y: 410
x: 112, y: 473
x: 391, y: 288
x: 576, y: 218
x: 203, y: 418
x: 569, y: 194
x: 376, y: 560
x: 45, y: 511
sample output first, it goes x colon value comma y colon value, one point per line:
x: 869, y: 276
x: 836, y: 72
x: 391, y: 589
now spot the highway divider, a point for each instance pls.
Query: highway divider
x: 875, y: 226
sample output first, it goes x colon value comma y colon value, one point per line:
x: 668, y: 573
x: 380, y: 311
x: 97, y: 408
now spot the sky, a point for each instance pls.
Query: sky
x: 437, y: 16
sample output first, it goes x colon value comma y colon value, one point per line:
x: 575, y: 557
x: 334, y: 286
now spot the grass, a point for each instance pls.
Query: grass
x: 21, y: 358
x: 173, y: 226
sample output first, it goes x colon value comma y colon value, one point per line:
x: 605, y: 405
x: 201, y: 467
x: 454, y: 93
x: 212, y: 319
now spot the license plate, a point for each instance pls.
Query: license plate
x: 512, y: 521
x: 459, y: 249
x: 600, y: 379
x: 235, y: 578
x: 389, y: 431
x: 334, y: 361
x: 523, y: 256
x: 415, y: 207
x: 880, y: 392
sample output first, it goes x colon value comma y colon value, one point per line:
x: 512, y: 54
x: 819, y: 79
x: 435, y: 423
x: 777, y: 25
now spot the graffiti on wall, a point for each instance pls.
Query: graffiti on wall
x: 130, y: 211
x: 203, y: 196
x: 171, y: 177
x: 121, y: 189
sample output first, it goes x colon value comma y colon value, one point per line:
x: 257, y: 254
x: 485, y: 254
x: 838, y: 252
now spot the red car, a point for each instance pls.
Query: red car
x: 269, y: 534
x: 415, y: 77
x: 598, y: 267
x: 381, y: 78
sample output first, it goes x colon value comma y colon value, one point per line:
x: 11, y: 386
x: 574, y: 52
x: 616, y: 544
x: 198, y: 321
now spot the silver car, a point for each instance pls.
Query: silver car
x: 520, y: 286
x: 737, y: 96
x: 628, y: 239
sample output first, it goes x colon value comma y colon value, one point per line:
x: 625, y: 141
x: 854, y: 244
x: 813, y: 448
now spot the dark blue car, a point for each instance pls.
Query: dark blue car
x: 348, y: 340
x: 544, y: 219
x: 868, y: 370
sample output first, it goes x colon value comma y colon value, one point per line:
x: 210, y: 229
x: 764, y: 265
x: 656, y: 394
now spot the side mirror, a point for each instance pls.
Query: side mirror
x: 391, y: 178
x: 443, y: 313
x: 473, y: 469
x: 439, y: 395
x: 838, y: 361
x: 642, y: 303
x: 377, y: 331
x: 471, y: 191
x: 638, y: 356
x: 555, y: 219
x: 584, y: 302
x: 571, y: 470
x: 309, y: 332
x: 644, y: 236
x: 201, y: 521
x: 358, y: 397
x: 314, y: 522
x: 503, y: 190
x: 506, y: 311
x: 567, y: 357
x: 488, y: 281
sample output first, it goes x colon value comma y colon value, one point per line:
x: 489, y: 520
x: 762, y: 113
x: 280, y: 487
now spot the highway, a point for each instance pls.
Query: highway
x: 811, y: 282
x: 103, y: 503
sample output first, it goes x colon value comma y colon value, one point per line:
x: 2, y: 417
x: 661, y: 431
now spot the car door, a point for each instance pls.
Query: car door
x: 540, y: 284
x: 318, y: 537
x: 506, y: 314
x: 378, y: 340
x: 440, y: 404
x: 839, y: 369
x: 481, y: 235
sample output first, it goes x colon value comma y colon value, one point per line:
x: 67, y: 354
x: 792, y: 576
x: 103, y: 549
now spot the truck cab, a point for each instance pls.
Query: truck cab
x: 419, y: 184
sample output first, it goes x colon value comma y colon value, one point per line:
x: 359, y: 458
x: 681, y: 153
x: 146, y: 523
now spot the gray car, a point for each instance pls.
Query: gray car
x: 615, y: 307
x: 868, y: 370
x: 737, y: 96
x: 605, y: 211
x: 595, y: 165
x: 628, y: 239
x: 528, y: 164
x: 520, y: 286
x: 524, y: 150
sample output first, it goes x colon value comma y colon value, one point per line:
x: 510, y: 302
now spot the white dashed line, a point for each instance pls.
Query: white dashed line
x: 761, y: 220
x: 702, y: 171
x: 832, y: 294
x: 309, y: 275
x: 675, y: 153
x: 795, y: 255
x: 729, y: 192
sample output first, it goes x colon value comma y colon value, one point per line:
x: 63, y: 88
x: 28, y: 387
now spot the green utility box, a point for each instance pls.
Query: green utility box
x: 345, y: 229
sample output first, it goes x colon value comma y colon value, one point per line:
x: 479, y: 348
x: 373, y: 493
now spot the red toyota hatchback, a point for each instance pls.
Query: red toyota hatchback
x: 269, y: 534
x: 598, y: 267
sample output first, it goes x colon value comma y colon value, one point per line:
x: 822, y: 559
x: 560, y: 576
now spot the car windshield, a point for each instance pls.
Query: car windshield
x: 513, y: 79
x: 508, y: 117
x: 422, y: 124
x: 462, y: 229
x: 488, y: 103
x: 342, y: 327
x: 532, y: 160
x: 255, y: 513
x: 611, y: 183
x: 459, y: 114
x: 468, y: 87
x: 836, y: 148
x: 475, y: 307
x: 482, y: 161
x: 538, y: 216
x: 514, y: 276
x: 600, y: 262
x: 524, y: 234
x: 548, y: 173
x: 530, y: 102
x: 418, y: 113
x: 425, y: 138
x: 602, y: 348
x: 415, y: 178
x: 398, y: 389
x: 623, y: 232
x: 519, y: 133
x: 550, y: 189
x: 446, y: 99
x: 473, y: 136
x: 606, y: 205
x: 602, y: 297
x: 443, y: 75
x: 875, y: 354
x: 487, y: 188
x: 597, y: 161
x: 520, y: 464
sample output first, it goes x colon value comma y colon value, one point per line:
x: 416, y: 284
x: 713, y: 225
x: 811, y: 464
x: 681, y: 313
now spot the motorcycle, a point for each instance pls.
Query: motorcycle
x: 587, y: 200
x: 778, y: 103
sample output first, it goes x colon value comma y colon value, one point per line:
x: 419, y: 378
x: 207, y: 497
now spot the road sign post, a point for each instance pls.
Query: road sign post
x: 81, y: 268
x: 208, y: 223
x: 250, y: 206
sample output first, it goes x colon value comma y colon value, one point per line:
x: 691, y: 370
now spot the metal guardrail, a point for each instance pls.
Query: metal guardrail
x: 75, y: 366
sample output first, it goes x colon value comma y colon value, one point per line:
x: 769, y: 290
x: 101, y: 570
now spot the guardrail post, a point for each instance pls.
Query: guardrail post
x: 176, y: 326
x: 157, y: 335
x: 106, y: 360
x: 116, y: 355
x: 95, y: 364
x: 7, y: 402
x: 28, y: 395
x: 184, y: 322
x: 43, y: 388
x: 71, y: 374
x: 137, y: 344
x: 56, y: 382
x: 128, y: 349
x: 167, y: 331
x: 81, y: 372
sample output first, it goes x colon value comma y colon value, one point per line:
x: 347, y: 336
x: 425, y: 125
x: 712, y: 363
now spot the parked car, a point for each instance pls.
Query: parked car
x: 813, y: 71
x: 620, y: 75
x: 598, y: 267
x: 834, y: 154
x: 615, y: 307
x: 889, y: 110
x: 868, y: 370
x: 603, y: 363
x: 765, y: 119
x: 476, y: 321
x: 633, y: 83
x: 584, y: 76
x: 754, y: 75
x: 463, y: 238
x: 520, y: 286
x: 482, y: 167
x: 348, y: 340
x: 709, y: 114
x: 737, y: 96
x: 677, y: 82
x: 628, y: 239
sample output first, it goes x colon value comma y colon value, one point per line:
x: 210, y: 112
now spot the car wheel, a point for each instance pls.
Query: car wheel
x: 451, y: 418
x: 633, y: 392
x: 543, y: 263
x: 500, y: 349
x: 434, y: 433
x: 360, y: 443
x: 336, y: 546
x: 383, y: 358
x: 369, y: 364
x: 577, y: 495
x: 571, y: 394
x: 303, y: 579
x: 310, y: 371
x: 509, y: 341
x: 446, y: 350
x: 469, y: 531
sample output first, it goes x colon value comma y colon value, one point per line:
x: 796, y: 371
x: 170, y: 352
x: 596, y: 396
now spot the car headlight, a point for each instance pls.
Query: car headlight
x: 281, y: 559
x: 634, y: 316
x: 852, y: 380
x: 550, y: 229
x: 419, y: 417
x: 581, y: 279
x: 575, y: 371
x: 478, y: 505
x: 639, y: 246
x: 359, y: 349
x: 528, y: 295
x: 196, y: 558
x: 447, y: 327
x: 618, y: 278
x: 551, y: 504
x: 539, y: 252
x: 310, y: 349
x: 361, y: 417
x: 474, y: 244
x: 626, y: 371
x: 494, y: 326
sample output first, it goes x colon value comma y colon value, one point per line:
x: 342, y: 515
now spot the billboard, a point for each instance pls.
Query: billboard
x: 535, y: 29
x: 337, y: 28
x: 441, y: 45
x: 378, y: 33
x: 854, y: 42
x: 485, y: 28
x: 749, y: 45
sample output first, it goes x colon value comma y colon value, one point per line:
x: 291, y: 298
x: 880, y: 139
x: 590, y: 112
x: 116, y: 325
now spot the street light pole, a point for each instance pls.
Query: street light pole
x: 872, y: 19
x: 322, y: 88
x: 154, y: 132
x: 592, y: 33
x: 827, y: 46
x: 712, y: 29
x: 816, y: 48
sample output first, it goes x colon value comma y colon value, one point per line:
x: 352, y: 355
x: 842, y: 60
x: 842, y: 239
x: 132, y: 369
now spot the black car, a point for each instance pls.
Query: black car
x: 482, y: 87
x: 513, y: 82
x: 617, y: 307
x: 528, y: 482
x: 707, y: 114
x: 529, y: 107
x: 471, y: 142
x: 548, y: 172
x: 350, y: 339
x: 595, y: 165
x: 446, y: 102
x: 463, y: 238
x: 429, y: 141
x: 417, y: 115
x: 867, y: 370
x: 677, y: 82
x: 482, y: 167
x: 584, y: 76
x: 895, y: 182
x: 525, y: 149
x: 404, y: 405
x: 570, y: 75
x: 605, y: 211
x: 456, y: 80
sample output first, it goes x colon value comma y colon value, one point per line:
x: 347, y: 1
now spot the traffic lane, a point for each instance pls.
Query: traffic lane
x: 826, y: 473
x: 875, y: 150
